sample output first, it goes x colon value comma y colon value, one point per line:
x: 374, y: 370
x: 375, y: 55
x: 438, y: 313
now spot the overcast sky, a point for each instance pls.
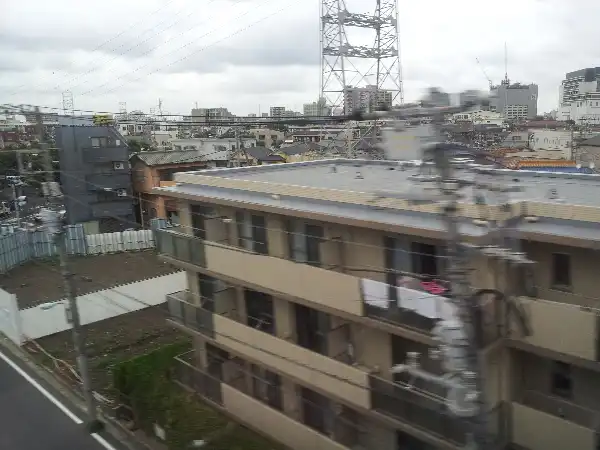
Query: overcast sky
x: 246, y: 54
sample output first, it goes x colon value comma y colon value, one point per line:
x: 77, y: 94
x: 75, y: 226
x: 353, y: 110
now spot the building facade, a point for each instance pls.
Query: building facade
x: 367, y: 99
x: 515, y: 101
x: 95, y: 177
x: 579, y: 96
x: 305, y: 288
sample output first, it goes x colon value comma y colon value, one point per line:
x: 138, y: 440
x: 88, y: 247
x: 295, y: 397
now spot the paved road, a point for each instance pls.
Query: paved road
x: 29, y: 420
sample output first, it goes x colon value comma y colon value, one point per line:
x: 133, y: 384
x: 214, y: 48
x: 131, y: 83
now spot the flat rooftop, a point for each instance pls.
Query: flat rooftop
x: 377, y: 192
x: 574, y: 189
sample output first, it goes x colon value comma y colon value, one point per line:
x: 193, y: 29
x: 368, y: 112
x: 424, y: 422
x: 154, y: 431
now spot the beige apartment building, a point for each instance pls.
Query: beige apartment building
x: 297, y: 317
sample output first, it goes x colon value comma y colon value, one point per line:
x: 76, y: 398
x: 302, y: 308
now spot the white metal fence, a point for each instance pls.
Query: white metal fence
x: 18, y: 246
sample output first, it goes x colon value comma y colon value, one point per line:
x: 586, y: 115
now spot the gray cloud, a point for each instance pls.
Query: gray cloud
x: 184, y: 52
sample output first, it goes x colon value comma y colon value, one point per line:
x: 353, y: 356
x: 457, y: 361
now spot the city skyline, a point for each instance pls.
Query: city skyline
x: 242, y: 54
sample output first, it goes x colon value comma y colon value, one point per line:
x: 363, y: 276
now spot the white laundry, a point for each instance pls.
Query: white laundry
x: 375, y: 293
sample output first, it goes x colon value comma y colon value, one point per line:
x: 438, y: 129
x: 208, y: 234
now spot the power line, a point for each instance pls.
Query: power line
x: 187, y: 56
x: 152, y: 49
x: 108, y: 41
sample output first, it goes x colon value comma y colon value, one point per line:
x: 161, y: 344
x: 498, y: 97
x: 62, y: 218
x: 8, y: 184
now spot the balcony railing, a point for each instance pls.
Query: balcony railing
x: 429, y: 414
x: 191, y: 377
x: 562, y: 408
x: 183, y: 311
x: 181, y: 246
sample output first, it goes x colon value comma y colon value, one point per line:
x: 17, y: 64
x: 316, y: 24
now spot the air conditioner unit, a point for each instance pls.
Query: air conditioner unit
x: 121, y: 192
x: 119, y: 166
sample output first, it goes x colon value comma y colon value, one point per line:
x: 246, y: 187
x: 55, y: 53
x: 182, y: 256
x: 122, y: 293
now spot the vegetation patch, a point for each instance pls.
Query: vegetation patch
x: 145, y: 385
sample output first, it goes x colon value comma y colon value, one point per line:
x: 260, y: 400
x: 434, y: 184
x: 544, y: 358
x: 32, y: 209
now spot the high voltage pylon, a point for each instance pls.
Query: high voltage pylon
x: 339, y: 71
x: 338, y: 56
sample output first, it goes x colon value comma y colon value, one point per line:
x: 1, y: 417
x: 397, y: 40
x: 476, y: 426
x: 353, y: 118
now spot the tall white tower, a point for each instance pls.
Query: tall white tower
x: 379, y: 66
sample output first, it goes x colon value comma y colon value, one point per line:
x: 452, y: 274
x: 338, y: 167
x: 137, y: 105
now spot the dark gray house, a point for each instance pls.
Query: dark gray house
x: 95, y: 177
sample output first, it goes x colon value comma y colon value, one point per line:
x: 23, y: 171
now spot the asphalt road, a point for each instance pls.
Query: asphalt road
x: 30, y: 420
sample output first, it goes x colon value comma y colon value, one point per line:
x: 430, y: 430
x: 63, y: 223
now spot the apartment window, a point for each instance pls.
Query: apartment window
x: 266, y: 387
x: 424, y: 259
x: 305, y: 242
x: 561, y: 270
x: 99, y: 142
x: 315, y: 410
x: 259, y: 311
x: 206, y: 288
x: 200, y: 214
x: 252, y: 232
x: 312, y: 328
x: 561, y: 379
x: 215, y: 358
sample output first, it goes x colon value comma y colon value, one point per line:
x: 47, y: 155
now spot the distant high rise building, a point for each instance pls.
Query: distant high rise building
x: 205, y: 116
x: 316, y: 109
x: 277, y: 111
x: 366, y: 99
x: 579, y: 96
x: 515, y: 101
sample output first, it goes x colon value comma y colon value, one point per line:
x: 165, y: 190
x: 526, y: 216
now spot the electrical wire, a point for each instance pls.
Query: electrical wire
x: 276, y: 355
x: 152, y: 49
x: 237, y: 223
x: 162, y: 67
x: 103, y: 44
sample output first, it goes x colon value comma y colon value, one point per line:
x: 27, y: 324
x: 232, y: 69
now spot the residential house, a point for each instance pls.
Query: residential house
x: 299, y: 306
x: 157, y: 169
x: 95, y: 177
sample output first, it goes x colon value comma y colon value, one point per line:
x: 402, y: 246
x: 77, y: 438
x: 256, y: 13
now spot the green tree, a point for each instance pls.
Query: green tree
x: 134, y: 146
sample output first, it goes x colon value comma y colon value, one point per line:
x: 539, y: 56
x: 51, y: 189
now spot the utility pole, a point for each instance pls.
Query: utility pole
x: 461, y: 337
x: 53, y: 223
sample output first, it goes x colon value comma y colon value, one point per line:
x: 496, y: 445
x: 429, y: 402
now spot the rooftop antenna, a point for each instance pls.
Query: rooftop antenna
x: 506, y: 80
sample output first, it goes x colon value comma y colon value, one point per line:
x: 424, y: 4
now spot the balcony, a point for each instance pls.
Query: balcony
x: 234, y: 397
x: 330, y: 375
x: 564, y: 424
x: 97, y: 155
x: 187, y: 374
x: 182, y: 247
x: 423, y: 411
x: 183, y: 312
x: 274, y: 275
x: 569, y: 329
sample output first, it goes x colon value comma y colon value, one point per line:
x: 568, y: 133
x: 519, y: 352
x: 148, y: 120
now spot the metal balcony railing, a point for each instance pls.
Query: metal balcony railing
x: 190, y: 376
x: 565, y: 409
x: 183, y: 311
x: 431, y: 414
x: 183, y: 247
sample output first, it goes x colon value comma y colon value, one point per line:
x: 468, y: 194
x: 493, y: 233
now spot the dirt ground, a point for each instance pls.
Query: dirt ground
x: 40, y: 281
x: 113, y: 340
x: 110, y: 340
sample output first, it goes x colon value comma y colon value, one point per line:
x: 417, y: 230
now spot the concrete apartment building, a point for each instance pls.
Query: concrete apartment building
x: 297, y: 315
x: 514, y: 100
x: 95, y: 177
x: 579, y: 96
x: 367, y: 98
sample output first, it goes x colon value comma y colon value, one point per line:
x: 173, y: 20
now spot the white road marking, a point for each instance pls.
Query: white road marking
x: 103, y: 442
x: 43, y: 391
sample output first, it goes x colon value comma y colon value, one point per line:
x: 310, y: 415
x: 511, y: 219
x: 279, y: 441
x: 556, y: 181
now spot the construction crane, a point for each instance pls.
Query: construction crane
x: 484, y: 73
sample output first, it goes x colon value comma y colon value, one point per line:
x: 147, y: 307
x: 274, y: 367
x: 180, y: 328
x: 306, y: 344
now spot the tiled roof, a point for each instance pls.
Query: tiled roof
x: 170, y: 157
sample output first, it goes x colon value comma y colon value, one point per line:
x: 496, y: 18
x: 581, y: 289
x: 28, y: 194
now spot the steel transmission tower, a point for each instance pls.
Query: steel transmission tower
x: 339, y: 58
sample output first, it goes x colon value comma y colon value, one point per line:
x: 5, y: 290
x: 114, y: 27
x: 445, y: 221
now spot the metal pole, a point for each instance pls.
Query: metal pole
x: 53, y: 222
x: 460, y: 287
x: 16, y: 203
